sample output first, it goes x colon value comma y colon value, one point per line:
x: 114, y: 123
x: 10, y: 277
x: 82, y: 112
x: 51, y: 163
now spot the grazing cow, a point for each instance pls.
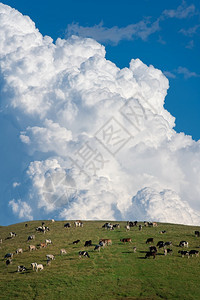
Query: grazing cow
x: 76, y: 242
x: 9, y: 255
x: 21, y: 269
x: 67, y: 225
x: 78, y: 224
x: 197, y: 233
x: 106, y: 241
x: 149, y: 254
x: 127, y: 240
x: 50, y: 256
x: 46, y: 228
x: 184, y: 253
x: 194, y: 252
x: 97, y: 247
x: 153, y: 249
x: 31, y: 237
x: 146, y: 224
x: 32, y: 247
x: 108, y: 226
x: 83, y: 253
x: 12, y: 234
x: 63, y: 251
x: 140, y: 227
x: 163, y: 231
x: 40, y: 229
x: 33, y: 266
x: 155, y: 224
x: 43, y: 245
x: 52, y: 220
x: 88, y: 243
x: 169, y: 251
x: 127, y: 227
x: 38, y: 267
x: 8, y: 262
x: 183, y: 244
x: 102, y: 244
x: 116, y: 226
x: 134, y: 249
x: 149, y: 240
x: 132, y: 224
x: 26, y: 225
x: 48, y: 242
x: 19, y: 250
x: 168, y: 243
x: 160, y: 244
x: 150, y: 224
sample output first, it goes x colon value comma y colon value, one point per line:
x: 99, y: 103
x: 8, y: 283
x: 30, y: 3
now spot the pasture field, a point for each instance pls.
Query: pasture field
x: 116, y: 272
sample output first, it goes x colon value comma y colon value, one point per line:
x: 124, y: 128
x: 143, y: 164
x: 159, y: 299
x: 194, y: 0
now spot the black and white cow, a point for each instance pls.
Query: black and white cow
x: 183, y: 244
x: 83, y: 253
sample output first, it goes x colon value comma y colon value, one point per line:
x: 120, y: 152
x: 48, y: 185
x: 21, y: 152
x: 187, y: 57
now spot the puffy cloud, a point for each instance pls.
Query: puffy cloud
x: 100, y: 143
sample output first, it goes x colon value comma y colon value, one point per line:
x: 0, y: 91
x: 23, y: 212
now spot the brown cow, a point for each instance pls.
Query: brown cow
x: 127, y: 240
x: 106, y: 241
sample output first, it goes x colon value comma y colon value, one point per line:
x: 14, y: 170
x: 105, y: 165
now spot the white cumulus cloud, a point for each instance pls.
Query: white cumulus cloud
x: 101, y: 145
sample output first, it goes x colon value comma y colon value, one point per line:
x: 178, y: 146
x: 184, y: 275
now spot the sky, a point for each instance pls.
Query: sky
x: 40, y: 102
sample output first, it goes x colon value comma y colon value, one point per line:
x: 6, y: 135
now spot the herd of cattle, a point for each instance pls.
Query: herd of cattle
x: 166, y: 247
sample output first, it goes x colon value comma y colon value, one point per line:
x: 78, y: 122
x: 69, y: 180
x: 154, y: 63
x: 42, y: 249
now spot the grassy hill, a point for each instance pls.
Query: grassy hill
x: 116, y: 272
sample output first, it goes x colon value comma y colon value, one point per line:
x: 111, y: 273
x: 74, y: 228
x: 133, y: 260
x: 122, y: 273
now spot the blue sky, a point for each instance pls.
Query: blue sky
x: 164, y: 34
x: 172, y: 46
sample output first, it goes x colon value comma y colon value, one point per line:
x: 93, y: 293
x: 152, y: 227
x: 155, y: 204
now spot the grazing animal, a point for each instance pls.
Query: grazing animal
x: 63, y: 251
x: 76, y: 242
x: 149, y: 254
x: 160, y: 244
x: 194, y: 252
x: 12, y: 234
x: 50, y: 256
x: 88, y: 243
x: 102, y: 244
x: 67, y: 225
x: 106, y: 241
x: 48, y: 242
x: 140, y: 227
x: 168, y: 243
x: 31, y: 237
x: 19, y: 250
x: 184, y: 253
x: 26, y: 225
x: 116, y: 226
x: 21, y: 269
x: 108, y: 226
x: 127, y: 227
x: 134, y: 249
x: 127, y: 240
x: 153, y: 249
x: 183, y: 244
x: 149, y: 240
x: 146, y: 224
x: 197, y: 233
x: 52, y: 220
x: 32, y: 247
x: 163, y: 231
x: 48, y: 262
x: 38, y: 267
x: 97, y: 247
x: 40, y: 229
x: 8, y: 262
x: 43, y: 245
x: 155, y: 224
x: 83, y: 253
x: 33, y: 266
x: 8, y: 255
x: 78, y: 224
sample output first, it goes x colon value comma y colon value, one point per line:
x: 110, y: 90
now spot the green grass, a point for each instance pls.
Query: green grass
x: 114, y: 273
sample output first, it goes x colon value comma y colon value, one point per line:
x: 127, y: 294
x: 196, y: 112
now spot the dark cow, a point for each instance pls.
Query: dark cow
x: 153, y: 249
x: 21, y: 269
x: 140, y: 227
x: 149, y: 254
x: 88, y: 243
x: 67, y: 225
x: 168, y: 243
x: 116, y: 226
x: 8, y: 255
x: 197, y: 233
x: 76, y: 242
x: 26, y: 225
x: 8, y: 261
x: 184, y: 253
x: 193, y: 252
x: 149, y: 240
x: 160, y: 244
x: 83, y: 253
x: 183, y: 244
x: 127, y: 240
x: 163, y: 231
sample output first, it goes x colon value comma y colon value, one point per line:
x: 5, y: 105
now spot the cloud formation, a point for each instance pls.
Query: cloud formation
x: 100, y: 142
